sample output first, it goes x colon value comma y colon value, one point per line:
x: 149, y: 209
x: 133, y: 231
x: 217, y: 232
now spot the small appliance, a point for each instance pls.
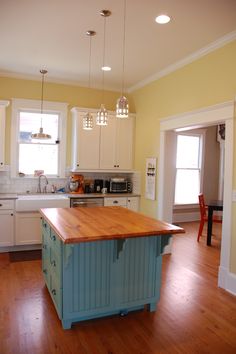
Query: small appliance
x: 120, y: 185
x: 76, y: 184
x: 98, y: 185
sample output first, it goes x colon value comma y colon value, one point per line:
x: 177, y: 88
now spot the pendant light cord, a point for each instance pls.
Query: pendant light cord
x: 123, y: 66
x: 103, y: 59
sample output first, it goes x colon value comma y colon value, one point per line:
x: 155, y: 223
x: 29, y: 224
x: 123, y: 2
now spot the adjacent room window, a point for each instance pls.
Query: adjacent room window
x: 30, y: 154
x: 188, y: 168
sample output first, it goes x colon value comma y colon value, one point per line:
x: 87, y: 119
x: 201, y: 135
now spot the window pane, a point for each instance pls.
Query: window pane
x: 187, y: 151
x: 187, y: 186
x: 38, y: 157
x: 31, y: 122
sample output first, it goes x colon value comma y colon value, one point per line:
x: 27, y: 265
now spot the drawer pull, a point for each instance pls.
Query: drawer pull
x: 53, y: 263
x: 0, y: 205
x: 45, y: 271
x: 115, y: 202
x: 53, y: 237
x: 45, y: 225
x: 54, y: 292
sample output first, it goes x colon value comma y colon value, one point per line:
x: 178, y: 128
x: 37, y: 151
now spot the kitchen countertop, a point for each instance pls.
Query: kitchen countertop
x: 8, y: 196
x: 101, y: 195
x: 74, y: 225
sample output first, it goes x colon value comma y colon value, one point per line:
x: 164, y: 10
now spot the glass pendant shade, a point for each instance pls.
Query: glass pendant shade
x: 122, y: 107
x: 102, y: 116
x: 88, y: 121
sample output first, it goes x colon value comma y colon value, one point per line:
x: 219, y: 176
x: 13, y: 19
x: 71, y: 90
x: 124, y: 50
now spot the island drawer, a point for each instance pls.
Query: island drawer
x: 45, y: 227
x: 56, y: 295
x: 55, y: 242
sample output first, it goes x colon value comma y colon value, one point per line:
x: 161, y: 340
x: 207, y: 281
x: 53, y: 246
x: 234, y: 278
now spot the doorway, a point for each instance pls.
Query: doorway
x: 213, y: 115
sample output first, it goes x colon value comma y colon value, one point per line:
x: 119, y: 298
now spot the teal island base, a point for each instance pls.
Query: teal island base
x: 101, y: 278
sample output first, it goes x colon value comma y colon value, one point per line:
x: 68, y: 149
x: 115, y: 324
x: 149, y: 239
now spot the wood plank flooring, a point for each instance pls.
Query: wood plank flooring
x: 193, y: 316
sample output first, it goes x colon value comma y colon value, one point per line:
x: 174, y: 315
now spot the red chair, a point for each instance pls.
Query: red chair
x: 204, y: 216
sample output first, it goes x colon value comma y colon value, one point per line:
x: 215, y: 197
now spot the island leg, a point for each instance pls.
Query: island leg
x: 66, y: 324
x: 152, y: 307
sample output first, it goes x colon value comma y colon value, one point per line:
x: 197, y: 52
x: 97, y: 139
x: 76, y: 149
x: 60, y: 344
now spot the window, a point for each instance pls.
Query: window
x: 188, y: 168
x: 30, y: 154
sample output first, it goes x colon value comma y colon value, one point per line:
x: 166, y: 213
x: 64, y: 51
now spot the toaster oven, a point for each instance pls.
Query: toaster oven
x: 120, y: 186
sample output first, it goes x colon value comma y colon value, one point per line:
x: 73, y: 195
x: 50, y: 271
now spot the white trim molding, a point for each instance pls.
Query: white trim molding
x: 220, y: 113
x: 35, y: 105
x: 230, y: 37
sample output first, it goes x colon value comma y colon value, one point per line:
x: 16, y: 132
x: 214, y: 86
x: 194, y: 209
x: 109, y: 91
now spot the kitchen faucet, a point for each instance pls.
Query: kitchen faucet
x: 39, y: 190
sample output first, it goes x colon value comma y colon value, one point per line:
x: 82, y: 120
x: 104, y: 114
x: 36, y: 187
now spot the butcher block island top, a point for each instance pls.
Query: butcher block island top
x: 75, y: 225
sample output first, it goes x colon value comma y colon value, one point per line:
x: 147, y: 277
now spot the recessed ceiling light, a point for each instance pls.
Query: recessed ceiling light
x: 162, y: 19
x: 106, y: 68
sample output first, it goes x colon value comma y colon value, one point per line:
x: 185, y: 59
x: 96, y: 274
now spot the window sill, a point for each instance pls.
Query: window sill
x: 185, y: 206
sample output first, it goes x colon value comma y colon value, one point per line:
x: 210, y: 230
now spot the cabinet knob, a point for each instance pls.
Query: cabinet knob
x: 54, y: 291
x: 45, y: 271
x: 0, y: 205
x: 77, y: 165
x: 1, y: 163
x: 53, y: 263
x: 12, y: 214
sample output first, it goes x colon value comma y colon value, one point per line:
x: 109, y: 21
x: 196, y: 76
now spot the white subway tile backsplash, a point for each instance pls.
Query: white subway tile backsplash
x: 24, y: 184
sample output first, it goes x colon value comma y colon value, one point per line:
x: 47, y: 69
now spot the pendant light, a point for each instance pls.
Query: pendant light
x: 88, y: 118
x: 41, y: 135
x: 122, y: 105
x: 102, y: 114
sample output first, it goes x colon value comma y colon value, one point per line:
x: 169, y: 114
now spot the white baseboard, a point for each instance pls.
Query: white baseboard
x: 227, y: 280
x: 20, y: 248
x: 186, y: 217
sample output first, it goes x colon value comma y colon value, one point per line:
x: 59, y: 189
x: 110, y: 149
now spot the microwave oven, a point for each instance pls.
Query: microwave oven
x: 120, y: 186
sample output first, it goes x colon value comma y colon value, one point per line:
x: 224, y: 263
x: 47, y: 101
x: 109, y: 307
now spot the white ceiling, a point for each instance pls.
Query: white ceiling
x: 50, y: 34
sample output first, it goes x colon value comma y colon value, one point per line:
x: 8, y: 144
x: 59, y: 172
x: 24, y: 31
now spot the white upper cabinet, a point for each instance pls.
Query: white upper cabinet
x: 117, y: 144
x: 3, y: 105
x: 104, y: 147
x: 85, y: 143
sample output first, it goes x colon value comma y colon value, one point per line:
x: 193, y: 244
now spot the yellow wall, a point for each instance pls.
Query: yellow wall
x: 207, y: 81
x: 73, y: 95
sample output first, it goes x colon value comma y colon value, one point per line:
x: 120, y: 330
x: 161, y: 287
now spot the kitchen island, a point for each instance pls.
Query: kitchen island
x: 102, y: 261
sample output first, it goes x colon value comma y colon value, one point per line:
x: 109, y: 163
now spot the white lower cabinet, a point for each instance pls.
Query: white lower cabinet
x: 28, y: 228
x: 131, y: 203
x: 6, y: 228
x: 6, y: 223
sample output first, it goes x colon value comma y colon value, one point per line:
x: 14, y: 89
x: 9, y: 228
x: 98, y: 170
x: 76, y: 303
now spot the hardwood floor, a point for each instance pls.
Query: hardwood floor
x: 193, y: 315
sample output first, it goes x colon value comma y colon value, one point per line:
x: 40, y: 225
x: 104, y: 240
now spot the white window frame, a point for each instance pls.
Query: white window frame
x: 202, y: 134
x: 59, y: 108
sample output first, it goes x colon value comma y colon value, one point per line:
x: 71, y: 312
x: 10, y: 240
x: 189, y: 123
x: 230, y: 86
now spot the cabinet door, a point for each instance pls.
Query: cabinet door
x: 28, y: 228
x: 6, y: 228
x: 124, y: 143
x: 85, y: 144
x: 108, y: 145
x: 133, y: 203
x: 2, y: 137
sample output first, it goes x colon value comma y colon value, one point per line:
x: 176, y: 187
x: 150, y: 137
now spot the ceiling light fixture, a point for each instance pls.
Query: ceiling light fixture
x: 122, y: 105
x: 162, y: 19
x: 41, y: 135
x: 106, y: 68
x: 102, y: 114
x: 88, y: 118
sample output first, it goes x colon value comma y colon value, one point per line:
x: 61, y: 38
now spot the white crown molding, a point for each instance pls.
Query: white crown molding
x: 52, y: 80
x: 187, y: 60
